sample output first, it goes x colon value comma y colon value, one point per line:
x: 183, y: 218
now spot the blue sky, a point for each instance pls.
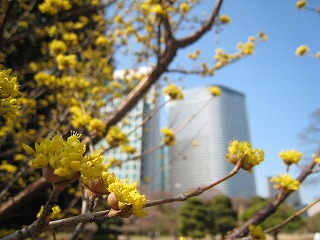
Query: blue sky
x: 281, y: 89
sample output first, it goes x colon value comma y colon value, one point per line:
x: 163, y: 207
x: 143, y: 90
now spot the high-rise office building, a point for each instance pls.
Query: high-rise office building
x: 198, y: 157
x: 140, y: 167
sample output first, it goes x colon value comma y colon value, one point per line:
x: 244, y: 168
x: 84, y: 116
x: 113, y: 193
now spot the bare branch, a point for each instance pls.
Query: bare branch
x: 183, y: 42
x: 269, y: 209
x: 292, y: 217
x: 24, y: 195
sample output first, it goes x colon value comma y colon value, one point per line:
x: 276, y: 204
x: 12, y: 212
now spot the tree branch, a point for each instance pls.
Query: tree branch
x: 24, y: 195
x: 269, y: 209
x: 183, y: 42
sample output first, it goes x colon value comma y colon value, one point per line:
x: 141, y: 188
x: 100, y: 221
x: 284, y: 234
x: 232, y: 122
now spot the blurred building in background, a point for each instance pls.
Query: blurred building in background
x: 144, y: 165
x: 198, y: 157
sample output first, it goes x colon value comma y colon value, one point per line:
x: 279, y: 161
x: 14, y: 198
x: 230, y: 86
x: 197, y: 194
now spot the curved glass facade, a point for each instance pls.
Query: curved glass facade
x: 198, y: 158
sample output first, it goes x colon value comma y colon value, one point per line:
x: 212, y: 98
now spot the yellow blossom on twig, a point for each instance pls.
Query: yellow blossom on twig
x: 302, y: 50
x: 173, y: 91
x: 215, y: 91
x: 290, y: 156
x: 168, y: 136
x: 285, y: 182
x: 243, y: 151
x: 256, y: 232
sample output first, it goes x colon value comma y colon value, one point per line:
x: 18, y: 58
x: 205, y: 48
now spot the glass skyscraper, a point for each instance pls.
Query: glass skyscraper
x: 198, y: 157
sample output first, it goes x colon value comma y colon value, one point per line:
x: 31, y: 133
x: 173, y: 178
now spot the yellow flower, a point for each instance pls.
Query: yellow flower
x: 19, y: 157
x: 53, y: 6
x: 128, y: 195
x: 285, y: 182
x: 256, y: 232
x: 56, y: 210
x: 157, y: 9
x: 246, y: 48
x: 301, y: 3
x: 96, y: 125
x: 243, y: 150
x: 92, y: 166
x: 194, y: 55
x: 168, y: 136
x: 8, y: 84
x: 102, y: 41
x: 215, y: 91
x: 184, y: 7
x: 70, y: 38
x: 225, y: 19
x: 263, y: 36
x: 116, y: 137
x: 57, y: 47
x: 317, y: 160
x: 66, y: 61
x: 290, y: 156
x: 302, y: 50
x: 128, y: 149
x: 173, y: 92
x: 62, y: 156
x: 5, y: 166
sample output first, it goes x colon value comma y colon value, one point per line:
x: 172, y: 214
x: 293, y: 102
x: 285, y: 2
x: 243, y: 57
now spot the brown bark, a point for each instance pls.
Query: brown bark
x: 27, y: 194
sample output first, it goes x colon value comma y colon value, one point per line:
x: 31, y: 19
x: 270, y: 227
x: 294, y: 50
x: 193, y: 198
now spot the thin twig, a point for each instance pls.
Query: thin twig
x: 292, y: 217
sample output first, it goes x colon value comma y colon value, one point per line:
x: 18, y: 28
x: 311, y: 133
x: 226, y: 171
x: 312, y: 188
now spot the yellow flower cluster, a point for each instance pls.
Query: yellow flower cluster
x: 243, y: 151
x: 157, y: 9
x: 194, y: 55
x: 224, y: 19
x: 62, y: 158
x: 128, y: 195
x: 115, y: 137
x: 57, y: 47
x: 53, y: 6
x: 8, y: 85
x: 317, y: 160
x: 285, y: 182
x: 221, y: 58
x: 168, y: 136
x: 263, y: 36
x: 66, y: 61
x: 302, y: 50
x: 9, y: 90
x: 96, y: 125
x: 70, y: 38
x: 246, y: 48
x: 79, y: 119
x: 301, y: 3
x: 7, y: 167
x: 184, y: 7
x: 46, y: 79
x: 128, y: 149
x: 215, y: 91
x: 290, y: 156
x: 64, y: 161
x: 256, y: 232
x: 173, y: 91
x: 102, y: 41
x: 56, y: 210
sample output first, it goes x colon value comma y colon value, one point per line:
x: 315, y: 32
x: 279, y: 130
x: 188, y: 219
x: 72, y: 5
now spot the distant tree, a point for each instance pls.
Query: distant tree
x: 313, y: 223
x: 222, y: 217
x: 193, y: 220
x: 284, y: 211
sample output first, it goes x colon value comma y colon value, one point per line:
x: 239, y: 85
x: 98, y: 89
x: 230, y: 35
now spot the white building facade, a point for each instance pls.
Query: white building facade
x: 198, y: 157
x: 140, y: 167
